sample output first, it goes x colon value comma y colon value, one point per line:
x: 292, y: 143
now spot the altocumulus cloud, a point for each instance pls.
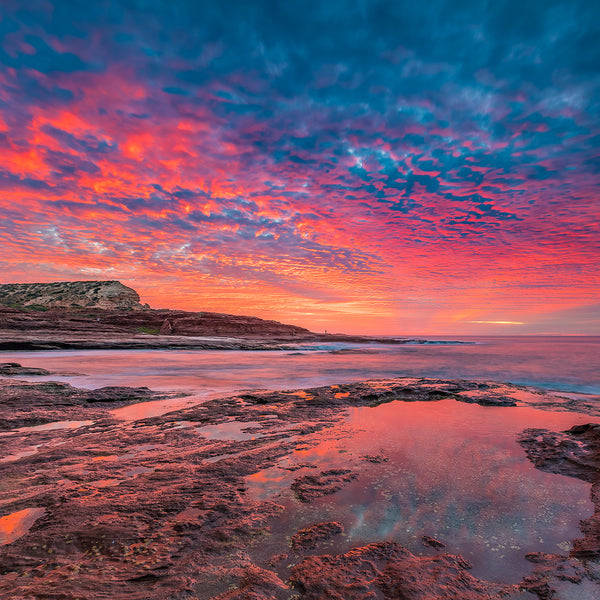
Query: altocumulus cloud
x: 309, y: 151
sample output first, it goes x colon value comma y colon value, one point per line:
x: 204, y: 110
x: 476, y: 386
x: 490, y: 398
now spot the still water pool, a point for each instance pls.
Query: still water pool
x: 446, y: 469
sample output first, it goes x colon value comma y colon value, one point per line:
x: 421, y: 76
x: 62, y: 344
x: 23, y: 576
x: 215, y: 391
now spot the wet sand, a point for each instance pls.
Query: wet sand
x: 255, y: 496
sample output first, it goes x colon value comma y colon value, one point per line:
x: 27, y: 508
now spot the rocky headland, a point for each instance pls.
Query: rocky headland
x: 94, y: 328
x: 160, y: 507
x: 109, y: 315
x: 69, y: 295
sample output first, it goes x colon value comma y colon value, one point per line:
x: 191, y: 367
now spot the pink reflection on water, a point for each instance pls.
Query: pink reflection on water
x: 53, y: 426
x: 446, y: 469
x: 155, y: 408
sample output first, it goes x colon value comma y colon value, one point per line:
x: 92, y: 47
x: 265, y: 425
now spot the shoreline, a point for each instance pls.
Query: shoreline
x: 156, y: 507
x: 104, y: 329
x: 32, y: 342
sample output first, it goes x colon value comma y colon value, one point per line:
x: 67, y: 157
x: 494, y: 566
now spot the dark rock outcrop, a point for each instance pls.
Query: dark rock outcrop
x: 574, y: 453
x: 87, y: 328
x: 25, y: 404
x: 13, y: 368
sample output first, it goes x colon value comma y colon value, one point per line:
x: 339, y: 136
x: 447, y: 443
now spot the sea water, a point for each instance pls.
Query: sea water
x: 565, y: 363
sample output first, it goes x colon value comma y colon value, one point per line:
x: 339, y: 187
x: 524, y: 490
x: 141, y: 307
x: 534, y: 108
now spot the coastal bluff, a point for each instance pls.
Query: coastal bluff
x: 70, y: 294
x: 109, y: 315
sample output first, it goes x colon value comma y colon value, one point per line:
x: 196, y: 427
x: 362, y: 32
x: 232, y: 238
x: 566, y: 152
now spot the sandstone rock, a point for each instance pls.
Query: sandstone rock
x: 13, y: 368
x: 166, y: 328
x: 89, y: 327
x: 25, y: 404
x: 255, y: 584
x: 69, y: 294
x: 574, y: 453
x: 154, y: 510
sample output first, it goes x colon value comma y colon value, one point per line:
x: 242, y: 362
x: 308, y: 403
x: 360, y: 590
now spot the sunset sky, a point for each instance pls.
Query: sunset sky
x: 382, y: 167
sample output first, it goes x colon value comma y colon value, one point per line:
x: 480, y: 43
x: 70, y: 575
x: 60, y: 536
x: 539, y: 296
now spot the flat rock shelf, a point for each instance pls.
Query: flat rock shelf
x: 396, y: 488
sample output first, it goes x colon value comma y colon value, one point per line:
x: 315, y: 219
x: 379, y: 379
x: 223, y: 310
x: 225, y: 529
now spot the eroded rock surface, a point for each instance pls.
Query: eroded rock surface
x: 110, y: 328
x: 310, y: 537
x: 12, y: 368
x: 389, y: 571
x: 24, y: 404
x: 154, y: 508
x: 574, y: 453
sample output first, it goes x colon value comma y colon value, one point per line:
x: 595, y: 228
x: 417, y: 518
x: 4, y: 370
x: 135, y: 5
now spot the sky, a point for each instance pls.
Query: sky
x: 375, y: 167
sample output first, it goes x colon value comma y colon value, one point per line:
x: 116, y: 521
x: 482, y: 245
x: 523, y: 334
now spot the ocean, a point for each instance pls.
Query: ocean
x: 565, y: 363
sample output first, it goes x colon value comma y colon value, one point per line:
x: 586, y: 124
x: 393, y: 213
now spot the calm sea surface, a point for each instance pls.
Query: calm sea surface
x: 560, y: 363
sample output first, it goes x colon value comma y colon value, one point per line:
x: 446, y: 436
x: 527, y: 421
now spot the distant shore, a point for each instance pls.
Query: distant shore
x: 98, y: 329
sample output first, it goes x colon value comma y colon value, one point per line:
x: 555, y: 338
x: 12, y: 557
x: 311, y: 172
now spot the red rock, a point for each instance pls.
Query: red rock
x: 309, y: 487
x: 389, y: 571
x: 574, y: 453
x: 309, y: 537
x: 183, y: 524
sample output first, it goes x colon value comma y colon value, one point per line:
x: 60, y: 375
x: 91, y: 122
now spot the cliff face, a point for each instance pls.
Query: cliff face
x: 70, y: 294
x: 107, y: 314
x: 178, y: 322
